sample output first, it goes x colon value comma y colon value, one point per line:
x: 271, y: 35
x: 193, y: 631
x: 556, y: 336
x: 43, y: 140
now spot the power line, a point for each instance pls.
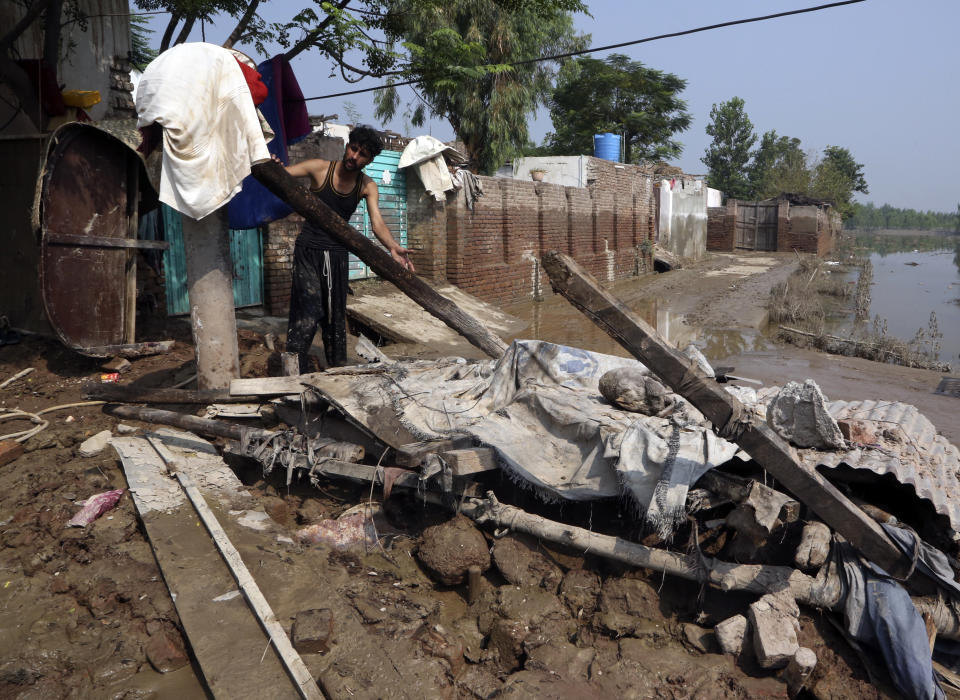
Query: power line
x: 614, y: 46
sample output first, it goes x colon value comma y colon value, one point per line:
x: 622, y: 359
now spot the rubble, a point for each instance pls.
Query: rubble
x: 450, y: 549
x: 773, y: 620
x: 799, y: 414
x: 732, y: 633
x: 93, y: 446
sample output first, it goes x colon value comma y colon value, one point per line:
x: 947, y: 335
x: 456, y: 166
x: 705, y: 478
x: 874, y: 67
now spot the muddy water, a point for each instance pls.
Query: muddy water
x: 912, y: 278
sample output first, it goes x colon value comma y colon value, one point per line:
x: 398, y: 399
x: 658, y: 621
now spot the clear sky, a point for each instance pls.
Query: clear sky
x: 881, y: 78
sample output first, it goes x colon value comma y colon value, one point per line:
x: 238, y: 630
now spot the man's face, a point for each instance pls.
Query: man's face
x: 356, y: 157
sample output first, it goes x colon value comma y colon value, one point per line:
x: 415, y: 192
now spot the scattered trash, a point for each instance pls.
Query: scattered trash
x: 349, y: 530
x: 69, y: 419
x: 108, y: 377
x: 94, y: 507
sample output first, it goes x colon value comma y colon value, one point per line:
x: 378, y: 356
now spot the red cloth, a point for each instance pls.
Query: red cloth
x: 44, y: 81
x: 258, y: 91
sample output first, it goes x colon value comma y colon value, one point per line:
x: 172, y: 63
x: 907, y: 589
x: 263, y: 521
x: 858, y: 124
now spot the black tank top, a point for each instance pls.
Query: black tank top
x: 343, y: 204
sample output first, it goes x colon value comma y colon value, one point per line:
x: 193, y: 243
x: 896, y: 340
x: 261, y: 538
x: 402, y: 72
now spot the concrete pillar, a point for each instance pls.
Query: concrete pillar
x: 210, y: 284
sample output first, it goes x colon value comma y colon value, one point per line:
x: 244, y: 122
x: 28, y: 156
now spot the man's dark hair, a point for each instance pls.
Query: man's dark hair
x: 367, y: 137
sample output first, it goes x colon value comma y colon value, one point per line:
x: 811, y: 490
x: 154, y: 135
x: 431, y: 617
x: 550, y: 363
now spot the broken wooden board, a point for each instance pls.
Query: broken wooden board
x: 226, y: 638
x: 412, y: 454
x: 267, y: 386
x: 474, y: 460
x: 728, y: 415
x: 393, y: 315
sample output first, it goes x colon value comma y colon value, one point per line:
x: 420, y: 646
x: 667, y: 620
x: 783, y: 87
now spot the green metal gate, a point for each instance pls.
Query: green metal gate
x: 392, y: 184
x: 245, y: 248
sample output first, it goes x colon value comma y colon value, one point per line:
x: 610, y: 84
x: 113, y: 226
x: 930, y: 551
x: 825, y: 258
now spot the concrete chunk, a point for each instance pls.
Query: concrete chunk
x: 94, y: 445
x: 814, y: 547
x: 774, y: 622
x: 731, y: 634
x: 798, y: 670
x: 799, y: 414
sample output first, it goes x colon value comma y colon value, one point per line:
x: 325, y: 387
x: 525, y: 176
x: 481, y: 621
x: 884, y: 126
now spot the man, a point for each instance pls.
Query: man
x: 318, y: 295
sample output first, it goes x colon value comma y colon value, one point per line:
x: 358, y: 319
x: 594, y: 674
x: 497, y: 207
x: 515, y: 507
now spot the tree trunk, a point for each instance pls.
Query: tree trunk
x: 241, y: 25
x: 51, y: 35
x: 309, y: 206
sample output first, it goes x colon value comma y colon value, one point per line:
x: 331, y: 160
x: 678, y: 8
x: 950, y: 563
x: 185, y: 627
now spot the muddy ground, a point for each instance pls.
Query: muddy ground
x: 84, y: 612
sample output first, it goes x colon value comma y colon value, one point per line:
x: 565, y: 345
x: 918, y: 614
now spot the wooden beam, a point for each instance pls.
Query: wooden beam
x: 731, y: 420
x: 103, y: 241
x: 474, y: 460
x: 412, y: 454
x: 266, y: 386
x: 206, y: 426
x: 129, y: 393
x: 129, y: 350
x: 277, y: 180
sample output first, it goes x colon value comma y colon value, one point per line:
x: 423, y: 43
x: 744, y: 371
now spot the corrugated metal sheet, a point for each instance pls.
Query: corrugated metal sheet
x: 907, y: 447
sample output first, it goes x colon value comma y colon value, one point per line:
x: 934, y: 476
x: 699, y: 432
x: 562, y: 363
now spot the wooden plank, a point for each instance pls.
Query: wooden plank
x: 231, y: 431
x: 128, y: 393
x: 475, y: 460
x: 129, y: 350
x: 304, y: 683
x: 311, y: 208
x: 226, y: 639
x: 103, y: 242
x: 266, y: 386
x: 729, y: 417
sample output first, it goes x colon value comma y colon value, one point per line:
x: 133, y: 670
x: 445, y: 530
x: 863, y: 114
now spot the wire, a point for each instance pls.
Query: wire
x: 613, y: 46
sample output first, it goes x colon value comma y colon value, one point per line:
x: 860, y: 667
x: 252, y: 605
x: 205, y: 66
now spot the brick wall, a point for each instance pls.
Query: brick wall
x: 721, y: 227
x: 494, y: 250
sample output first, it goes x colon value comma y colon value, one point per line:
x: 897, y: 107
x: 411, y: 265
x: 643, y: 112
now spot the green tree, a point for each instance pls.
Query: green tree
x: 779, y: 165
x: 463, y: 56
x: 728, y: 154
x: 837, y: 177
x: 620, y: 96
x: 140, y: 51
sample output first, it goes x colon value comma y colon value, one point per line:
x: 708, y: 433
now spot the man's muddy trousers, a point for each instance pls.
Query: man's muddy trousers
x: 318, y: 296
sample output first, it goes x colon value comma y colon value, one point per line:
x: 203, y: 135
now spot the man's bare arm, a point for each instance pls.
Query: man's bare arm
x: 380, y: 229
x: 315, y: 168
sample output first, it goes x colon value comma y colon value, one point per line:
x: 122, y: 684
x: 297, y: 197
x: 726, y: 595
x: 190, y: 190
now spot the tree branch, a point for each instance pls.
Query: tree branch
x: 20, y: 27
x: 237, y: 32
x: 185, y: 31
x: 307, y: 41
x: 168, y: 32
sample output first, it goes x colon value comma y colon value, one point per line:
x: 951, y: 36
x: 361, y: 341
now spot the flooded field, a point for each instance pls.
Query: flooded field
x: 914, y: 276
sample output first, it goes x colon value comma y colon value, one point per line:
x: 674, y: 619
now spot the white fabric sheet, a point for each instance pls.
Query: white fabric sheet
x: 211, y: 131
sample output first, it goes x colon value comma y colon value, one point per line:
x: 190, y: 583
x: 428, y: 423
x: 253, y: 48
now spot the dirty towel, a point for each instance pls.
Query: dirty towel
x: 211, y: 129
x: 286, y: 112
x: 470, y: 184
x: 426, y: 153
x: 880, y: 614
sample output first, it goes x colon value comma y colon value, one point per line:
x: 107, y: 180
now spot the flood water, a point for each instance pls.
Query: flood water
x: 912, y: 277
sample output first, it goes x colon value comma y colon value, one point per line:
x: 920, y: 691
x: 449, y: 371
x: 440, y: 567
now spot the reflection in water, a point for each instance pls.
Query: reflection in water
x: 885, y: 244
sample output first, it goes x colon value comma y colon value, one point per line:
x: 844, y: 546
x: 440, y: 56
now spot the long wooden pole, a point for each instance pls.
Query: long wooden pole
x: 309, y: 206
x: 730, y: 418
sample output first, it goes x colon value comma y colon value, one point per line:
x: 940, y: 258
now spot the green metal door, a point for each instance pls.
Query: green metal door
x: 246, y: 250
x: 392, y: 184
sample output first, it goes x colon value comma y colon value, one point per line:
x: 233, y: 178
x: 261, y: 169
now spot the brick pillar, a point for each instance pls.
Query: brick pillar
x: 427, y: 230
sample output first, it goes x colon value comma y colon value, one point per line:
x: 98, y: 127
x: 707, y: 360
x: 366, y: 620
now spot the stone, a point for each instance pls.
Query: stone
x: 858, y: 431
x: 117, y: 364
x: 799, y: 415
x: 774, y: 619
x: 798, y: 670
x: 693, y: 352
x: 522, y: 565
x: 93, y: 446
x: 814, y: 547
x: 635, y: 389
x: 166, y: 653
x: 124, y: 429
x: 313, y: 631
x: 700, y: 638
x: 731, y: 634
x: 560, y: 658
x: 631, y: 607
x: 448, y: 550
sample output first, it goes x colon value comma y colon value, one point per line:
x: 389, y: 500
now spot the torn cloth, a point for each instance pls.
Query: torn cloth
x: 211, y: 130
x: 880, y: 613
x: 470, y: 184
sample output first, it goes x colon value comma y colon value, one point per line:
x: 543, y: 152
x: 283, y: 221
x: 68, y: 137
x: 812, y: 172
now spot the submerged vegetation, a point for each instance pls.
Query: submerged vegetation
x: 801, y: 306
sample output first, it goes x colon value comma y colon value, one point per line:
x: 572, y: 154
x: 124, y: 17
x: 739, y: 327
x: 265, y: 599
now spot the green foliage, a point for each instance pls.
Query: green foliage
x: 837, y: 177
x: 870, y: 216
x: 729, y: 152
x: 779, y: 165
x: 462, y: 55
x: 620, y: 96
x: 140, y: 51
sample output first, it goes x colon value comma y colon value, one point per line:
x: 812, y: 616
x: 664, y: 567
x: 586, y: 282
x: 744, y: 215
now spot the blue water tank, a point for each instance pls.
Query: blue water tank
x: 607, y: 146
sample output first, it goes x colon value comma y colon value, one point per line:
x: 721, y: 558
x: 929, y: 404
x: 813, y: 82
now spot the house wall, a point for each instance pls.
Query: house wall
x: 721, y: 227
x: 570, y: 171
x: 683, y: 218
x: 494, y: 250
